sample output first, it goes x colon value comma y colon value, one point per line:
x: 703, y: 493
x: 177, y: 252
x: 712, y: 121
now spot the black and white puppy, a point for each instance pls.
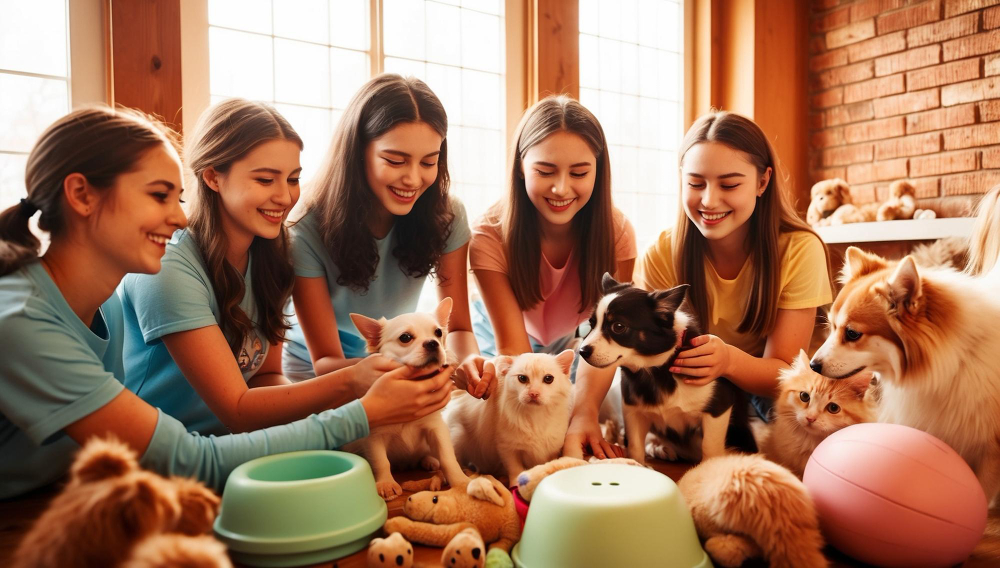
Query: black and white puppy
x: 642, y: 332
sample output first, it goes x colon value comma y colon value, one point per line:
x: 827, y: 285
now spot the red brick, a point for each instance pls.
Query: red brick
x: 876, y: 47
x: 977, y: 44
x: 970, y: 136
x: 925, y: 187
x: 952, y: 7
x: 908, y: 146
x: 904, y: 104
x: 967, y: 184
x: 871, y: 8
x: 943, y: 30
x: 991, y: 18
x: 912, y: 59
x: 843, y: 155
x: 824, y: 4
x: 988, y: 88
x: 946, y: 74
x: 891, y: 169
x: 828, y: 173
x: 874, y: 88
x: 829, y: 98
x: 863, y: 193
x: 991, y: 158
x: 912, y: 16
x: 843, y: 75
x: 875, y: 130
x: 831, y: 20
x: 817, y: 44
x: 991, y: 65
x: 989, y: 111
x: 828, y: 137
x: 860, y: 173
x: 941, y: 119
x: 845, y: 114
x: 944, y: 163
x: 834, y: 58
x: 816, y: 120
x: 849, y: 34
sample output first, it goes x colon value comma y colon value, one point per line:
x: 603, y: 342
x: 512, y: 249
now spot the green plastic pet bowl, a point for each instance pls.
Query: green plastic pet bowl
x: 299, y: 508
x: 608, y: 515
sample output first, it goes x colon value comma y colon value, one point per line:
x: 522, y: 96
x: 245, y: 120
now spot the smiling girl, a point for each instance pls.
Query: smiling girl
x: 380, y: 222
x: 107, y: 184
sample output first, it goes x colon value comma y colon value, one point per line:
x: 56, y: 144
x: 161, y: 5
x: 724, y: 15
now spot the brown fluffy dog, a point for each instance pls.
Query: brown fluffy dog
x: 110, y: 505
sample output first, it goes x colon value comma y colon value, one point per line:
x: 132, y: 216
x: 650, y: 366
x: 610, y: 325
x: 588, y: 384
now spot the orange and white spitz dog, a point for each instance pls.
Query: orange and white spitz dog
x: 933, y: 336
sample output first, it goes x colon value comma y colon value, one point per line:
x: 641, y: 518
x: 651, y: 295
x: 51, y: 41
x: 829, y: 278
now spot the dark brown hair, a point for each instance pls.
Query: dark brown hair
x: 592, y: 226
x: 97, y: 142
x: 344, y: 203
x: 226, y: 133
x: 772, y: 216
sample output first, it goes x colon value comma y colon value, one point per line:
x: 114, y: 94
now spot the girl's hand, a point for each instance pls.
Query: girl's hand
x: 368, y: 370
x: 584, y: 432
x: 477, y: 376
x: 707, y: 360
x: 396, y: 397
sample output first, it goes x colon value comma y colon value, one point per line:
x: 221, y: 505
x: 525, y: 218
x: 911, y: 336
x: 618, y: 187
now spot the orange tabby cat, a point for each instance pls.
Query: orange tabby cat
x: 809, y: 408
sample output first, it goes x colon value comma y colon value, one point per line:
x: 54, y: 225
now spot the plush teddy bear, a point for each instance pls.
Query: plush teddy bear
x: 393, y: 550
x: 902, y: 202
x: 111, y: 513
x: 831, y: 204
x: 466, y: 550
x: 529, y: 479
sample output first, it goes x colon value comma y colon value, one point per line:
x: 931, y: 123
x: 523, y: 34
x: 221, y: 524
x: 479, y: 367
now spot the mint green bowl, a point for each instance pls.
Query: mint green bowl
x: 299, y: 508
x: 608, y: 515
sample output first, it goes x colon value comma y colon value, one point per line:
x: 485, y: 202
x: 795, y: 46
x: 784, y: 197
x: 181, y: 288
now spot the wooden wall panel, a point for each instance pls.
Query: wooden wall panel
x: 554, y: 48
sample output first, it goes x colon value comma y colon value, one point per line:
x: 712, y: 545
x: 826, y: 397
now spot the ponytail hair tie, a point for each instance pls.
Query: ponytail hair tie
x: 27, y: 207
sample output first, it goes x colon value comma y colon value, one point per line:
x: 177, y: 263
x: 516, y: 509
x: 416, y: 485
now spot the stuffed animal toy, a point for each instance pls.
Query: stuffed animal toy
x: 902, y: 202
x: 831, y: 205
x: 745, y: 506
x: 529, y: 479
x: 435, y: 517
x: 393, y: 550
x: 111, y: 512
x: 466, y: 550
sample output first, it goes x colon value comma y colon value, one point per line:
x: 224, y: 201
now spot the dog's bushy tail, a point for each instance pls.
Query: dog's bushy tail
x: 748, y: 495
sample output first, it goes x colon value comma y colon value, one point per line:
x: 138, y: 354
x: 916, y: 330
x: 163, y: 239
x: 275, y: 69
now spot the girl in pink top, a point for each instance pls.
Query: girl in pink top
x: 538, y: 255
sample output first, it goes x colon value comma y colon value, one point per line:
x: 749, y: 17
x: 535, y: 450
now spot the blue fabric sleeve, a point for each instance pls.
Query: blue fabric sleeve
x: 175, y: 299
x: 174, y: 451
x: 308, y: 251
x: 460, y: 233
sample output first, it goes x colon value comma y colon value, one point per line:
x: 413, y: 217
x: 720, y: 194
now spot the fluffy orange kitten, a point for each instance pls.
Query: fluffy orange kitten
x: 809, y: 408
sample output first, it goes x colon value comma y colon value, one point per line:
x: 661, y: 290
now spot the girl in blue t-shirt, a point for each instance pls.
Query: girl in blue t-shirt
x: 203, y: 335
x: 380, y: 221
x: 107, y: 185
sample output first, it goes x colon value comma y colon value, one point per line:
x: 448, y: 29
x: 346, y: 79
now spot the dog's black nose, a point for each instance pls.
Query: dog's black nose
x: 431, y: 345
x: 816, y: 366
x: 586, y: 351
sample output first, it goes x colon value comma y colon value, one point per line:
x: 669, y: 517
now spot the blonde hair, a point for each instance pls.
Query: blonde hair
x: 984, y: 245
x: 772, y: 216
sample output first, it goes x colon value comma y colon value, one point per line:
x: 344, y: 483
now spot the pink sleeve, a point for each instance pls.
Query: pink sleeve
x: 486, y: 251
x: 625, y: 248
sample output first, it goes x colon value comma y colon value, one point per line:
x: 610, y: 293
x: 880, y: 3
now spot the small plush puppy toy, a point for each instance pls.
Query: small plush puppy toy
x: 417, y: 340
x: 642, y: 332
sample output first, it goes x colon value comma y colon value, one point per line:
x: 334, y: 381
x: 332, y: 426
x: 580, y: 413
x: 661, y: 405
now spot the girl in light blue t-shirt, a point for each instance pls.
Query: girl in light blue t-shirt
x: 380, y: 222
x: 203, y: 335
x: 107, y: 185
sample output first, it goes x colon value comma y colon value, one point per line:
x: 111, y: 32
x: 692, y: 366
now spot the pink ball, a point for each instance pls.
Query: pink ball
x: 892, y: 495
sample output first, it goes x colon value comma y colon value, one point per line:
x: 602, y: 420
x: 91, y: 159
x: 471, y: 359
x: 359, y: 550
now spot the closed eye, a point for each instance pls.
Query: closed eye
x: 264, y: 181
x: 393, y: 162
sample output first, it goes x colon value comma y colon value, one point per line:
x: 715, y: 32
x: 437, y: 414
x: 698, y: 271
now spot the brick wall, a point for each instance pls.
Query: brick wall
x: 906, y: 89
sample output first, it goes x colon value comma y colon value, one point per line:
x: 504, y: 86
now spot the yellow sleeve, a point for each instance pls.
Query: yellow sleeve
x: 805, y: 280
x: 654, y: 269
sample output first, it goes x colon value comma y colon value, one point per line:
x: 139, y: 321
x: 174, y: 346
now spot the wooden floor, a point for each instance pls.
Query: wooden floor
x: 17, y: 515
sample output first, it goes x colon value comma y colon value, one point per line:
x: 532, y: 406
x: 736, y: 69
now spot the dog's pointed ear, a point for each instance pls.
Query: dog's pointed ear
x: 608, y: 283
x: 502, y: 364
x: 565, y: 360
x: 858, y: 263
x: 904, y: 284
x: 371, y: 330
x: 443, y: 311
x: 666, y: 302
x: 802, y: 360
x: 102, y: 459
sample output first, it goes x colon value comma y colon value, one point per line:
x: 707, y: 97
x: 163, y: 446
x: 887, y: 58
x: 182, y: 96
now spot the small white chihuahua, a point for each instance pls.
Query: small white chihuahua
x: 417, y: 340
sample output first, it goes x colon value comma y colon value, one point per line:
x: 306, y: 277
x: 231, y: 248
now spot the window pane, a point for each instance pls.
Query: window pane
x: 589, y: 17
x: 611, y: 19
x: 241, y: 65
x: 11, y: 178
x: 27, y: 106
x: 481, y: 44
x: 446, y: 82
x: 406, y: 67
x: 33, y: 36
x: 348, y: 71
x: 247, y: 15
x: 349, y: 24
x: 301, y: 73
x: 313, y: 126
x: 404, y: 28
x: 480, y: 99
x: 610, y: 57
x: 488, y: 6
x: 443, y: 31
x: 305, y: 20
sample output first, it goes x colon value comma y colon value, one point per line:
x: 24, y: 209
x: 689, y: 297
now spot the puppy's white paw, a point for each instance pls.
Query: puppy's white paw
x: 388, y: 489
x: 661, y: 451
x: 430, y: 463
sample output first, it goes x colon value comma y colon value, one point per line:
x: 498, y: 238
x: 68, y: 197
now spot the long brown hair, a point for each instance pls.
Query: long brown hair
x: 97, y: 142
x: 226, y: 133
x: 344, y: 203
x: 592, y: 226
x: 772, y: 216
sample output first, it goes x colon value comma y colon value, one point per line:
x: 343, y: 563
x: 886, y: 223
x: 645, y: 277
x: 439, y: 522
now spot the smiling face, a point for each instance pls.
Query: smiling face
x: 559, y: 175
x: 141, y: 213
x: 720, y: 187
x: 401, y: 164
x: 259, y: 189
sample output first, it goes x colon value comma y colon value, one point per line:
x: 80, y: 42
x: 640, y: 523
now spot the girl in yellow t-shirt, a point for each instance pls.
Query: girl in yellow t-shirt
x: 757, y: 272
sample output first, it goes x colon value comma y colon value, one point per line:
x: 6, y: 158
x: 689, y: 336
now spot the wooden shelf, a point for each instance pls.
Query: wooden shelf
x: 889, y: 231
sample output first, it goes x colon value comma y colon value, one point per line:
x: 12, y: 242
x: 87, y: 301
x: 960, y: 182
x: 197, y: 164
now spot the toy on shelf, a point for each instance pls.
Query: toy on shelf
x: 831, y: 204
